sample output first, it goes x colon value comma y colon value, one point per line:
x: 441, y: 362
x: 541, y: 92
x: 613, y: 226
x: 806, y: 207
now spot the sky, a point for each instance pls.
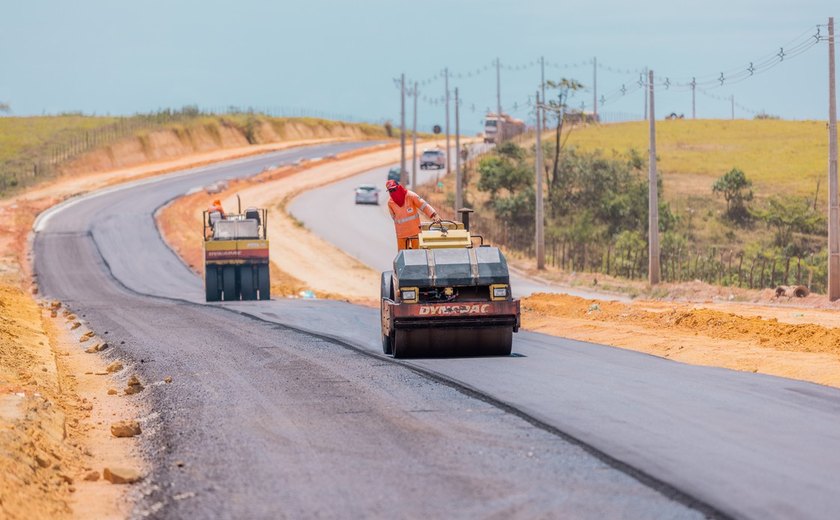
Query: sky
x: 341, y: 57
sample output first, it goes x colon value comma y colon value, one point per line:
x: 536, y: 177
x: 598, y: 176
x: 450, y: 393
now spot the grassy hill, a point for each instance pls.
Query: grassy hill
x: 33, y: 149
x: 596, y: 212
x: 780, y: 157
x: 22, y: 136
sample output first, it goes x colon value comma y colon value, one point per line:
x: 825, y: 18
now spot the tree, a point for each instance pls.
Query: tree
x: 505, y: 174
x: 500, y: 173
x: 565, y: 88
x: 5, y: 108
x: 511, y: 150
x: 790, y: 215
x: 735, y: 188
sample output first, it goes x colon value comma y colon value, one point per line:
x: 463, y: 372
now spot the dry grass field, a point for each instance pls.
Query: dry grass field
x: 780, y: 157
x: 22, y: 135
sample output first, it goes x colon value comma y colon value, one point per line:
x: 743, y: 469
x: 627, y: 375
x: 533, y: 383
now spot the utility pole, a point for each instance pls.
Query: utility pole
x: 459, y: 181
x: 833, y: 209
x: 403, y: 175
x: 414, y: 143
x: 539, y: 231
x: 500, y: 128
x: 542, y: 86
x: 646, y: 93
x: 446, y: 95
x: 693, y: 98
x: 732, y: 104
x: 595, y: 88
x: 653, y: 196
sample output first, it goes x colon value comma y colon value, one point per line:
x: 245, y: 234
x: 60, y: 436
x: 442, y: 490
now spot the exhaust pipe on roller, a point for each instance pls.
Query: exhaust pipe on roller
x: 465, y: 217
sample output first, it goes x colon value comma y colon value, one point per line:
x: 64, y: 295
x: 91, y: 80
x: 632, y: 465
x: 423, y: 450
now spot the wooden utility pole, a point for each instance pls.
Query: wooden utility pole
x: 459, y: 181
x: 833, y: 209
x: 403, y: 175
x: 414, y: 143
x: 653, y: 196
x: 500, y: 125
x: 646, y: 94
x: 446, y: 96
x: 595, y: 88
x: 539, y: 230
x: 732, y: 105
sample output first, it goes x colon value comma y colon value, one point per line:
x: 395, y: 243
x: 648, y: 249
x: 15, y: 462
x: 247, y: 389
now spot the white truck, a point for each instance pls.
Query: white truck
x: 498, y: 129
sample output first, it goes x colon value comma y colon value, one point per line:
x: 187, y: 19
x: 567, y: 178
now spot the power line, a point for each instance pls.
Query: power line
x: 792, y: 49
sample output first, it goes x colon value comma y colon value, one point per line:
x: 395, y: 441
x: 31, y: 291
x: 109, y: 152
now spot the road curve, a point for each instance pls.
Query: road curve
x: 264, y: 420
x: 749, y: 445
x: 370, y: 236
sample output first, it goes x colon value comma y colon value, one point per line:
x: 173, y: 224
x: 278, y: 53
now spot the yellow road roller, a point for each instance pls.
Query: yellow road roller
x: 236, y: 256
x: 449, y: 297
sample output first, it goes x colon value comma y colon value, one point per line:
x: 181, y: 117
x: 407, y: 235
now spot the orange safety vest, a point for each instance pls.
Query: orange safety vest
x: 212, y: 207
x: 407, y: 217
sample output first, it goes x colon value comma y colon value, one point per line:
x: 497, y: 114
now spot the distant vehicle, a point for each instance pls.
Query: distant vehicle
x: 367, y: 194
x: 394, y: 174
x: 432, y: 159
x: 498, y: 129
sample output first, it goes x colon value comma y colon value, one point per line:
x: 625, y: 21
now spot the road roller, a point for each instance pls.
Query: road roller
x: 450, y: 297
x: 236, y: 255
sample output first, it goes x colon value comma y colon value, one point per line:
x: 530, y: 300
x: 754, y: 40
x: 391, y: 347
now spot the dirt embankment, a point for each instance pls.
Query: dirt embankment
x: 699, y: 334
x: 58, y: 457
x: 212, y: 135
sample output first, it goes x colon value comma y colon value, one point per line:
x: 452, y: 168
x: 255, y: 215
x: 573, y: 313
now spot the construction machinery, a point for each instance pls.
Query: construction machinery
x: 449, y: 297
x: 236, y: 255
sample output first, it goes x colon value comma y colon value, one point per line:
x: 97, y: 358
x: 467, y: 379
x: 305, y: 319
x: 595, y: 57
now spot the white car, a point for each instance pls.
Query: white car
x: 432, y: 159
x: 367, y: 194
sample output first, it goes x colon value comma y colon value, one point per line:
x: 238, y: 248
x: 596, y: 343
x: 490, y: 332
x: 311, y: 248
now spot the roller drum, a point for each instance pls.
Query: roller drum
x: 452, y: 342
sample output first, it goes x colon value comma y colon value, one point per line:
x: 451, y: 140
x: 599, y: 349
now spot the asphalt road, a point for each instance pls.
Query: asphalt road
x: 266, y: 420
x: 366, y: 231
x: 749, y: 445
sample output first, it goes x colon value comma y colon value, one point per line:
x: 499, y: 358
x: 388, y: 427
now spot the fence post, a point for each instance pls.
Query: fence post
x: 787, y: 271
x: 799, y: 271
x: 761, y: 278
x: 640, y: 255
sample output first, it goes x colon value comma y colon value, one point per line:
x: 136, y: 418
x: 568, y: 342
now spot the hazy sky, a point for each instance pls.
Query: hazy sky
x: 340, y: 56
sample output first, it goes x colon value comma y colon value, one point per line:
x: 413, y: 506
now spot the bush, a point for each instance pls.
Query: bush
x: 790, y: 217
x: 735, y: 188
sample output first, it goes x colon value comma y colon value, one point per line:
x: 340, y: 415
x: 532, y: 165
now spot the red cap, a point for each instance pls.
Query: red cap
x: 391, y: 184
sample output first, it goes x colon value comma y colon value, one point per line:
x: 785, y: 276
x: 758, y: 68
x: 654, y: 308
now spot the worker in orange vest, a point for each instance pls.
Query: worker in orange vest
x: 405, y: 207
x: 216, y: 206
